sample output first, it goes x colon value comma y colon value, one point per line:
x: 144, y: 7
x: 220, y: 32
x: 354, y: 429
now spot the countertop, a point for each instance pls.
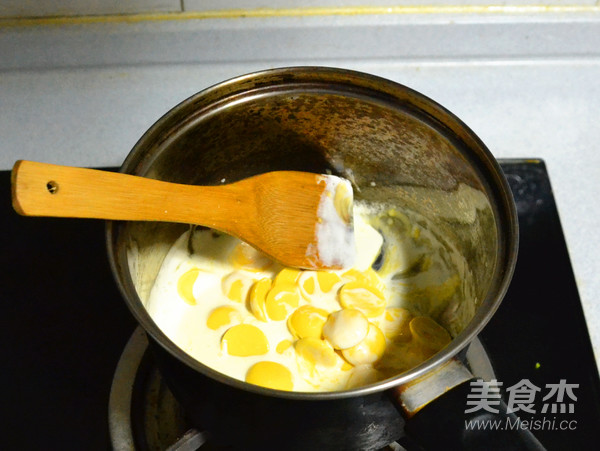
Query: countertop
x: 81, y: 91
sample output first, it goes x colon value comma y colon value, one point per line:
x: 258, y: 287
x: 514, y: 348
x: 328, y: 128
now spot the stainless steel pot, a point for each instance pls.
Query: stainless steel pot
x: 395, y: 145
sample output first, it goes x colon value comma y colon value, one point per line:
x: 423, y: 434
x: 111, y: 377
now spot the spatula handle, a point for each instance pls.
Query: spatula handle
x: 41, y: 189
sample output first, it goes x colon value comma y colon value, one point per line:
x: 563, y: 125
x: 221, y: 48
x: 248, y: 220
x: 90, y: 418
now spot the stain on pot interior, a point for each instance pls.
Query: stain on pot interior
x: 394, y: 144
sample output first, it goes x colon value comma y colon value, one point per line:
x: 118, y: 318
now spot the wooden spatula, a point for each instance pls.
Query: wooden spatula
x: 300, y: 219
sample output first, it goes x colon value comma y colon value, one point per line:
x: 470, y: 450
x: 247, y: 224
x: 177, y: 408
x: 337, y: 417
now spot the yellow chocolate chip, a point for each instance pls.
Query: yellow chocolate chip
x: 327, y: 280
x: 270, y: 375
x: 283, y: 345
x: 235, y: 292
x: 257, y: 298
x: 364, y: 297
x: 368, y: 277
x: 370, y: 350
x: 287, y: 276
x: 342, y: 202
x: 245, y: 340
x: 236, y: 285
x: 353, y: 275
x: 222, y: 316
x: 307, y: 321
x: 308, y: 286
x: 314, y: 352
x: 313, y: 284
x: 247, y: 258
x: 185, y: 285
x: 281, y: 300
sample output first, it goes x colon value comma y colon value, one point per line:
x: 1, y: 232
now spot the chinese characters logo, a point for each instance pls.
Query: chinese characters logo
x: 526, y: 398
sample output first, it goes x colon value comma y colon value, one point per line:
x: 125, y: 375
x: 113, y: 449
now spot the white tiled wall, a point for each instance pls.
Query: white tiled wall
x: 41, y: 8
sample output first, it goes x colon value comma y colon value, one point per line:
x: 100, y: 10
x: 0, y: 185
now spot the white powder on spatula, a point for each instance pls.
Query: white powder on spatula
x: 334, y: 232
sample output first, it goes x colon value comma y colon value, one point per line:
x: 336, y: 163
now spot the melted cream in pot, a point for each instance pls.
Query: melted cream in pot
x: 240, y: 313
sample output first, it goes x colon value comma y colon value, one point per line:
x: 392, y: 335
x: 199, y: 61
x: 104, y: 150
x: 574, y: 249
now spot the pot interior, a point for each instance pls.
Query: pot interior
x: 397, y: 147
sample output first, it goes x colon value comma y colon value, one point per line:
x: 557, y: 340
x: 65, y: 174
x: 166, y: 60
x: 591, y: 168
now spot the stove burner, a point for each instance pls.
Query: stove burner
x: 144, y: 414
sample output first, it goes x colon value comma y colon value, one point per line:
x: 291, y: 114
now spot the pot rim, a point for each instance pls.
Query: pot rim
x: 504, y: 210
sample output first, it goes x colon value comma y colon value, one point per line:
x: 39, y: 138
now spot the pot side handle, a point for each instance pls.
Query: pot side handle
x: 445, y: 424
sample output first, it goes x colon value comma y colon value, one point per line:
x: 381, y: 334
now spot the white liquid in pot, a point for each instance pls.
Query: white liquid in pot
x: 238, y: 312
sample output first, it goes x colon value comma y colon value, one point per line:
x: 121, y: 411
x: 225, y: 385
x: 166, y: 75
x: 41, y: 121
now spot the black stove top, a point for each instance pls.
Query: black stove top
x: 64, y: 327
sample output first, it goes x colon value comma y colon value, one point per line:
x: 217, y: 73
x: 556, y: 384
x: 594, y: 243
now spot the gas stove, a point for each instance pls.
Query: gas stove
x: 78, y: 374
